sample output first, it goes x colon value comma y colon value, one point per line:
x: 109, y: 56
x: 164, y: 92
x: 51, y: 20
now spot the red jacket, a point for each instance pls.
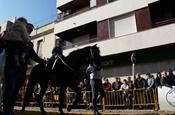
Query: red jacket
x: 107, y: 86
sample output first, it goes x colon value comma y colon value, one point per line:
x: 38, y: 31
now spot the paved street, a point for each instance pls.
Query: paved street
x: 54, y: 111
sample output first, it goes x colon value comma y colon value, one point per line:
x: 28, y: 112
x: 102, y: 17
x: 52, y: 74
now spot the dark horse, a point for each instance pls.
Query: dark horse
x: 64, y: 73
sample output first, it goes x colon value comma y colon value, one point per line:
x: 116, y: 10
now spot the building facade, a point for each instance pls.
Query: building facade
x: 119, y: 28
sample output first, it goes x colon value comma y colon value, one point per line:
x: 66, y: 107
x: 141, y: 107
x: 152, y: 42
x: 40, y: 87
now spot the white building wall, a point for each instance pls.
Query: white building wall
x: 48, y: 44
x: 5, y: 26
x: 107, y: 11
x: 46, y: 34
x: 145, y: 39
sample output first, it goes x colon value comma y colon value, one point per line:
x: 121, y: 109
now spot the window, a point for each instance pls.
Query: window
x: 123, y: 25
x: 162, y: 12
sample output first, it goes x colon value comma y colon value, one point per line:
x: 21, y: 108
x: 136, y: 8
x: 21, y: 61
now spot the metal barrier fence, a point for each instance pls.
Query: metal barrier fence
x: 126, y: 99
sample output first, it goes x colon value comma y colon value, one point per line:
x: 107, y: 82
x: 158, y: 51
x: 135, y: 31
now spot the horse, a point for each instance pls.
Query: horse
x: 2, y: 64
x: 64, y: 73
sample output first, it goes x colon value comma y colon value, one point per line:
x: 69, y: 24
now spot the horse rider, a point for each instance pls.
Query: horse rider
x: 16, y: 75
x: 57, y: 51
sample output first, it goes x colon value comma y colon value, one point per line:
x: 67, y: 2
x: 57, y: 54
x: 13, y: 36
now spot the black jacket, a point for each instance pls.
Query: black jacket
x: 116, y: 86
x: 32, y: 54
x: 140, y: 83
x: 1, y: 45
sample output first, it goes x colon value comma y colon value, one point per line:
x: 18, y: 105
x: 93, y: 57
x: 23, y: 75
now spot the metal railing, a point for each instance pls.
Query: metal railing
x: 142, y: 99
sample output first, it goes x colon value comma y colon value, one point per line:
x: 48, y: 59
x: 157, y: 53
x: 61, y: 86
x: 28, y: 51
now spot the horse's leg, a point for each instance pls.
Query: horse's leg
x: 40, y: 97
x: 79, y: 93
x: 61, y: 99
x: 28, y: 94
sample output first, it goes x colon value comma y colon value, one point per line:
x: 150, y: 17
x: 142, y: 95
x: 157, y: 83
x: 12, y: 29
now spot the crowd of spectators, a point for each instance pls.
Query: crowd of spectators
x: 148, y: 82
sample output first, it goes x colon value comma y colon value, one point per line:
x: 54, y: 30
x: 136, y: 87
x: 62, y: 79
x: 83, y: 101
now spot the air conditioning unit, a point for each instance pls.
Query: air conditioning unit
x: 67, y: 12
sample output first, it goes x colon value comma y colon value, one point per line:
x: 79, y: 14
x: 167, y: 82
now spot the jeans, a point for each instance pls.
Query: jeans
x: 97, y: 88
x: 14, y: 79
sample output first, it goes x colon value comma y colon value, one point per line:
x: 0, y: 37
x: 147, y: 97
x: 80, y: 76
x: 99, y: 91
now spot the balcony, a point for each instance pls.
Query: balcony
x: 165, y: 22
x: 74, y: 5
x: 62, y: 16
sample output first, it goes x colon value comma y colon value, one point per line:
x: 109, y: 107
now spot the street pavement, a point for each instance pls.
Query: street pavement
x: 54, y: 111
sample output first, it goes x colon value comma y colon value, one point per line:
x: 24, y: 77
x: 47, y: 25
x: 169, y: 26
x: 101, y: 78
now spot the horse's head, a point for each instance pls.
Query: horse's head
x: 94, y: 57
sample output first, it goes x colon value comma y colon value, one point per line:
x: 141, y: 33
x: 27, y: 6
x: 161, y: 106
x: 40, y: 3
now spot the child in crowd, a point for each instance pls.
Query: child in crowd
x: 17, y: 39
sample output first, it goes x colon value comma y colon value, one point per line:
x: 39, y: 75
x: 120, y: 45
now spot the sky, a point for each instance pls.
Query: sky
x: 37, y: 12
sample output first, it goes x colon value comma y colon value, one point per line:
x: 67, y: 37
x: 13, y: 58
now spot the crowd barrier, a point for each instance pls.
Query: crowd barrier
x: 126, y: 99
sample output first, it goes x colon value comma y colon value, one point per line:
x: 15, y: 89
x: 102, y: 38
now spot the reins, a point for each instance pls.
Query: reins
x: 58, y: 57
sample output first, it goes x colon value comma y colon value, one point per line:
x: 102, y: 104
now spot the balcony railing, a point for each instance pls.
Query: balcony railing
x: 62, y: 17
x: 165, y: 22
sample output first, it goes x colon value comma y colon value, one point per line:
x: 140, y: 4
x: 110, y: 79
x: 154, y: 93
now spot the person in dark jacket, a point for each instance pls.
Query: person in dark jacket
x: 15, y: 76
x: 166, y: 80
x: 139, y: 82
x: 57, y: 50
x: 116, y: 84
x: 171, y: 76
x: 158, y: 79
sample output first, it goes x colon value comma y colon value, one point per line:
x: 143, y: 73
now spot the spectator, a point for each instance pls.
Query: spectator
x: 115, y: 87
x: 86, y: 85
x: 150, y: 81
x: 130, y: 83
x: 86, y: 94
x: 21, y: 93
x: 129, y: 79
x: 139, y: 82
x: 158, y: 79
x: 124, y: 86
x: 165, y: 80
x: 116, y: 84
x: 107, y: 85
x: 36, y: 92
x: 81, y: 85
x: 151, y: 85
x: 55, y: 96
x: 125, y: 92
x: 171, y: 76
